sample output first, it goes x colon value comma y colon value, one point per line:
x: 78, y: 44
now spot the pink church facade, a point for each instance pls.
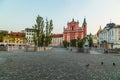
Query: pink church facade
x: 73, y: 31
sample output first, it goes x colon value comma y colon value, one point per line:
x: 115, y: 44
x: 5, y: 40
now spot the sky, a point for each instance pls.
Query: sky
x: 16, y: 15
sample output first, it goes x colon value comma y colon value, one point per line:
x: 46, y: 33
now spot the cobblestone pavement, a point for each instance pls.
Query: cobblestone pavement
x: 58, y: 64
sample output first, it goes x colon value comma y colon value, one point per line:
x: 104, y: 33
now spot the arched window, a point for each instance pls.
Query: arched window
x: 72, y: 27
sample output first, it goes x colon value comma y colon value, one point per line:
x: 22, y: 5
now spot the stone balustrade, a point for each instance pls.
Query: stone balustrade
x: 28, y: 49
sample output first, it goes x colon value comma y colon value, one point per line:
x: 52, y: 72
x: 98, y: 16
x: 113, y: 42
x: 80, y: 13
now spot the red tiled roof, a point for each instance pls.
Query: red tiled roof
x: 57, y: 35
x: 19, y: 34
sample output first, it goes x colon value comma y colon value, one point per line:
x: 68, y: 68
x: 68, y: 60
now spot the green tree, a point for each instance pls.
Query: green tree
x: 2, y: 34
x: 73, y: 42
x: 90, y: 42
x: 42, y: 32
x: 65, y: 43
x: 48, y: 31
x: 42, y: 40
x: 38, y: 31
x: 35, y: 39
x: 80, y: 44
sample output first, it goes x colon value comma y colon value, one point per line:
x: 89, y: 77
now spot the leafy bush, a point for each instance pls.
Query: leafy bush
x: 80, y: 44
x: 65, y: 43
x: 73, y: 42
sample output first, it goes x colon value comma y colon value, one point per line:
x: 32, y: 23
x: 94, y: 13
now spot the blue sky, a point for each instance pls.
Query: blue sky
x: 16, y: 15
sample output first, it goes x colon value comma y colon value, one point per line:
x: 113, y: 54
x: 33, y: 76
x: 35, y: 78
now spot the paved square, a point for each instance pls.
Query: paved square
x: 58, y: 64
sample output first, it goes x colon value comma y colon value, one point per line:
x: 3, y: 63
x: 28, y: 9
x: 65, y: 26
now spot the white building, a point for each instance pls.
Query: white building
x: 29, y: 35
x: 57, y: 40
x: 110, y: 36
x: 95, y: 40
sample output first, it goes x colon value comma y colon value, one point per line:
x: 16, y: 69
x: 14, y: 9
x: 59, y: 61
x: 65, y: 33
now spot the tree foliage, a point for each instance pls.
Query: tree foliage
x: 48, y: 31
x: 90, y: 42
x: 80, y: 44
x: 73, y: 42
x: 2, y: 34
x: 65, y: 43
x: 42, y: 32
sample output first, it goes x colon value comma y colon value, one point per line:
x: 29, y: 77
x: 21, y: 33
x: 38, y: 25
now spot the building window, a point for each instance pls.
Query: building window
x: 112, y: 33
x: 72, y: 27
